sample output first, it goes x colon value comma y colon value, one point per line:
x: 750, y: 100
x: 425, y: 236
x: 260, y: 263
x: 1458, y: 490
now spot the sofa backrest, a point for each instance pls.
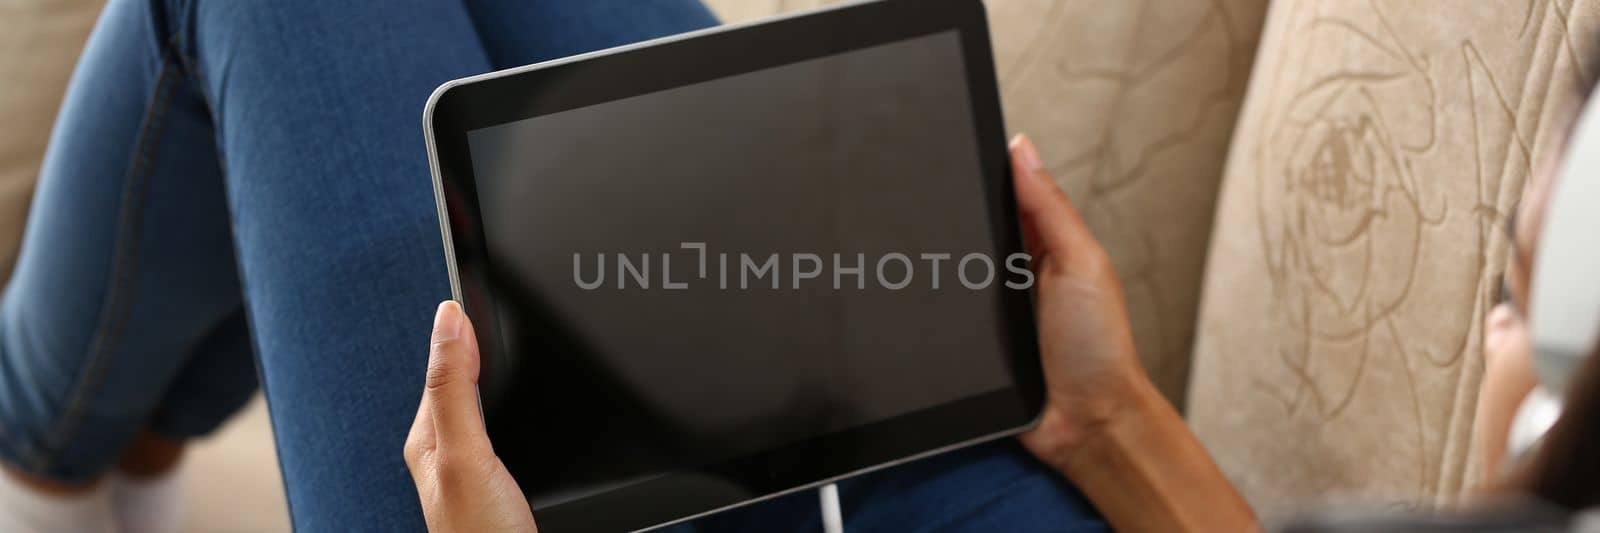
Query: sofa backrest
x: 1359, y: 239
x: 1133, y: 105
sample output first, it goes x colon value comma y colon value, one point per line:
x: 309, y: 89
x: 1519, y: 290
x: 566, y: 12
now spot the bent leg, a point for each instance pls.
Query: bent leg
x: 127, y: 266
x: 319, y: 107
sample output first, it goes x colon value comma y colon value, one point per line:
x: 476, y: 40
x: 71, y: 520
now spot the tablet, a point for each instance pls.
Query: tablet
x: 718, y: 267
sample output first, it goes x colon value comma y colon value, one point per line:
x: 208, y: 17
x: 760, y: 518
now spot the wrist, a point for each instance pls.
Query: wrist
x: 1142, y: 418
x: 1070, y: 426
x: 1145, y: 471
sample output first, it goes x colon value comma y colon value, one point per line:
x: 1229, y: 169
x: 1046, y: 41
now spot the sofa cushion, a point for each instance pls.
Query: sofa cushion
x: 1358, y: 240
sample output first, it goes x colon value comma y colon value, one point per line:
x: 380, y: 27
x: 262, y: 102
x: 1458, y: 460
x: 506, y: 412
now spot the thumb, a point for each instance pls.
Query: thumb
x: 1054, y: 228
x: 451, y: 393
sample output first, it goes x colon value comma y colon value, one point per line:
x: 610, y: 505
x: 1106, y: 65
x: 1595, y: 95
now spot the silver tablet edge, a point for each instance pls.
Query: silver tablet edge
x: 867, y: 470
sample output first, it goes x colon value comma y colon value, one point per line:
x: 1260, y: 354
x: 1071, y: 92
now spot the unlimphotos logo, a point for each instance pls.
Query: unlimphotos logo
x: 743, y: 271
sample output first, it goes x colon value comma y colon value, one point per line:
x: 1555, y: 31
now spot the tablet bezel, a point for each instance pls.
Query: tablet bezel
x: 467, y: 104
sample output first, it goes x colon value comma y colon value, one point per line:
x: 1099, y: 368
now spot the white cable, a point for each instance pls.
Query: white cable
x: 832, y: 515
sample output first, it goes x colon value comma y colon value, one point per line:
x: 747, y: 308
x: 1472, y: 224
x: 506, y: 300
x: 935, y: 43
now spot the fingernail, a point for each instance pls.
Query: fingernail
x: 448, y: 320
x: 1027, y: 153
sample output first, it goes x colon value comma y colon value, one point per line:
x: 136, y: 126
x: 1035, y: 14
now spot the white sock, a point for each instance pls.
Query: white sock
x: 22, y: 509
x: 156, y: 504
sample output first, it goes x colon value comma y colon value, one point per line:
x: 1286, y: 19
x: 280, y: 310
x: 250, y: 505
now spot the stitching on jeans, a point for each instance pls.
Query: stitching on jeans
x: 175, y: 42
x: 114, y: 310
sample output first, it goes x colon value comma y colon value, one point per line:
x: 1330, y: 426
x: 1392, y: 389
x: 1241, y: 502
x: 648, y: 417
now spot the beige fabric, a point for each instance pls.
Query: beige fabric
x: 1133, y: 104
x: 1358, y: 239
x: 39, y: 44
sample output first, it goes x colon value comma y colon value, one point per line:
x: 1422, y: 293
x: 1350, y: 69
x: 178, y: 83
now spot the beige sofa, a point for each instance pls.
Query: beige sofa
x: 1359, y: 238
x: 1310, y: 282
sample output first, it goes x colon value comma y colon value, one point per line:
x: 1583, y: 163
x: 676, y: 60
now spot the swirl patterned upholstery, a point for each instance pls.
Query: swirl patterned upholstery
x: 1359, y: 238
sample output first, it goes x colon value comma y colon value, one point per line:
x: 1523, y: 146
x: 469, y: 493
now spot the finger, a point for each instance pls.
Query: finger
x: 1497, y: 330
x: 1050, y: 222
x: 452, y: 383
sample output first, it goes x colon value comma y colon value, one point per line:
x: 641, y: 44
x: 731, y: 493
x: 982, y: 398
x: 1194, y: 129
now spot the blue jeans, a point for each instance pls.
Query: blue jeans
x: 238, y: 189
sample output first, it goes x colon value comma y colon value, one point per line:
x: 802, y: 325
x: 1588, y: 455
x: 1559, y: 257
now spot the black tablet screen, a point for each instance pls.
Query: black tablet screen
x: 706, y: 272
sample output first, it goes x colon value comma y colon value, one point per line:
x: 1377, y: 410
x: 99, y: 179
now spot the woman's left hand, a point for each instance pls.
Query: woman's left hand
x: 462, y: 483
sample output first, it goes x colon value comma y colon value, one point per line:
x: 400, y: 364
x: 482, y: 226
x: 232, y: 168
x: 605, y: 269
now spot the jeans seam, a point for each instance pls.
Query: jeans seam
x: 176, y: 43
x: 114, y: 310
